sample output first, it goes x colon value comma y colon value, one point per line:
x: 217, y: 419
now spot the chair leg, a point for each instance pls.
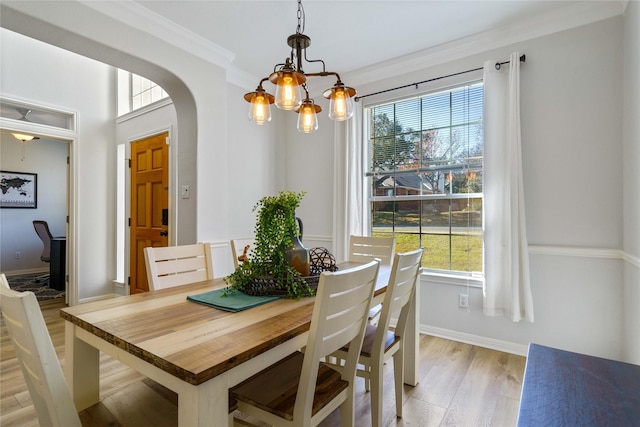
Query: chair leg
x: 398, y: 376
x: 376, y: 395
x: 347, y: 416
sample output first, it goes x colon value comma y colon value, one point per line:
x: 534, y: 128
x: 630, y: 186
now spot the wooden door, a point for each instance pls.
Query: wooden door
x: 149, y: 204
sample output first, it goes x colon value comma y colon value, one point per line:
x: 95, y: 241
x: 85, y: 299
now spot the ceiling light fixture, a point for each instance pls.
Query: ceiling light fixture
x: 290, y: 78
x: 24, y: 139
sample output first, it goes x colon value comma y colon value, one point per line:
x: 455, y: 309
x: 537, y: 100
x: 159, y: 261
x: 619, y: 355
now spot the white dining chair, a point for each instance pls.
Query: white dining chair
x: 3, y: 281
x: 300, y: 390
x: 37, y: 356
x: 178, y: 265
x: 241, y: 247
x: 380, y: 343
x: 366, y: 248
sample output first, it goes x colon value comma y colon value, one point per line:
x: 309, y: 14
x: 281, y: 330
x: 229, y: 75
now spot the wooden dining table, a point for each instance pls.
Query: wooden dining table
x: 195, y: 350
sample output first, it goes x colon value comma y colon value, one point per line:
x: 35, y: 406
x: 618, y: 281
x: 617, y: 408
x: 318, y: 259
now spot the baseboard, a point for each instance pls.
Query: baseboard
x: 98, y: 298
x: 27, y: 271
x: 504, y: 346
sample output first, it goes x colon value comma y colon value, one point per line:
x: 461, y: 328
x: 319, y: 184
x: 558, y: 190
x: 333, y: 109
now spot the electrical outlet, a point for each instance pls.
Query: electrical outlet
x: 18, y: 255
x: 463, y: 300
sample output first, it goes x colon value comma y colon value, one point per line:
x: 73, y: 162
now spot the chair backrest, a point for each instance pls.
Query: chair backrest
x: 339, y: 318
x: 36, y: 354
x: 3, y: 281
x: 42, y: 230
x: 178, y: 265
x: 364, y: 249
x: 397, y: 298
x: 238, y: 248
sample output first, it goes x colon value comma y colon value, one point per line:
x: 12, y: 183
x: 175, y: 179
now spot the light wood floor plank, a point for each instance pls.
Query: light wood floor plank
x: 460, y: 385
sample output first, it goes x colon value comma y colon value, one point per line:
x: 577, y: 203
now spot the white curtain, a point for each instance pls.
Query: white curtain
x: 507, y: 290
x: 348, y: 194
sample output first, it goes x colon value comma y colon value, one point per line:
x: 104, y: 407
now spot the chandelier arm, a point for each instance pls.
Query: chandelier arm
x: 314, y: 60
x: 323, y: 74
x: 275, y: 67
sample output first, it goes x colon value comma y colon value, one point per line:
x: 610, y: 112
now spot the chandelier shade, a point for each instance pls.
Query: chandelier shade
x: 307, y: 116
x: 340, y: 101
x: 290, y: 80
x: 288, y: 93
x: 260, y: 105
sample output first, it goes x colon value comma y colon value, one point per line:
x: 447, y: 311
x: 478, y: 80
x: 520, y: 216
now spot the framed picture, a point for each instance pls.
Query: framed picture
x: 18, y: 190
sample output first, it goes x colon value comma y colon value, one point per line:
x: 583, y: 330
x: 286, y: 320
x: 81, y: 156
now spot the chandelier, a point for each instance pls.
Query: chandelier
x: 290, y: 80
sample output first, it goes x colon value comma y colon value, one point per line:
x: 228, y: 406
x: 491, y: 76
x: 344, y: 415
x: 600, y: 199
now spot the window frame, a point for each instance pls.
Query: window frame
x: 456, y: 277
x: 126, y: 96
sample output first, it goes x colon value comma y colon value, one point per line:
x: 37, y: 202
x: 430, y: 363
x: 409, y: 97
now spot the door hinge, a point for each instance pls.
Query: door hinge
x: 129, y: 221
x: 67, y: 219
x: 129, y: 163
x: 129, y: 281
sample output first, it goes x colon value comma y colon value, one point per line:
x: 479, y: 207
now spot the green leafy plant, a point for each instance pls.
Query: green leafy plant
x: 267, y: 260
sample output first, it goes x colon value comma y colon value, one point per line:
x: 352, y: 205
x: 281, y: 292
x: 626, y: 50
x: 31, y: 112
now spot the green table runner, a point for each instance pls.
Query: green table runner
x: 234, y: 302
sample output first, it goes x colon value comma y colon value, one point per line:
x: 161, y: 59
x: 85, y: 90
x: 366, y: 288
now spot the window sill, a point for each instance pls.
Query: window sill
x: 451, y: 279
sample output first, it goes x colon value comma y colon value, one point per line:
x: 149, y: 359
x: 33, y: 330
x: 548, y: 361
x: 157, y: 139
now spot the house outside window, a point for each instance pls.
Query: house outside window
x: 425, y: 159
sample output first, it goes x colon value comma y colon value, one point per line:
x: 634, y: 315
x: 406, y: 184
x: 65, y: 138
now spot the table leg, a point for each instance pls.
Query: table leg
x: 82, y: 369
x: 206, y: 405
x: 412, y: 342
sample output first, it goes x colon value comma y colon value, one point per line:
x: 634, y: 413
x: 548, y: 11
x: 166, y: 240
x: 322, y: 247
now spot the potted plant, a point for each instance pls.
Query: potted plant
x: 268, y: 268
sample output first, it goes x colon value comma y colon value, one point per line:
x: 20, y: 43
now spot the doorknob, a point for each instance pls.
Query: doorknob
x: 164, y: 233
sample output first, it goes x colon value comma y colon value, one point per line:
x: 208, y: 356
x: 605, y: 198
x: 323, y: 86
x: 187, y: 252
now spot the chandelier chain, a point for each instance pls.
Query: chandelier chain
x: 300, y: 28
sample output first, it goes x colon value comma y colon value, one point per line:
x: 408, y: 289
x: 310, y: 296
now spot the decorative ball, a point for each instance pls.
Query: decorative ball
x: 321, y: 260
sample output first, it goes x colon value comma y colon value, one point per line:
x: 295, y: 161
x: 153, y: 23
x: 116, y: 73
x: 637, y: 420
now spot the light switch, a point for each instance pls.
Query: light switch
x: 184, y: 192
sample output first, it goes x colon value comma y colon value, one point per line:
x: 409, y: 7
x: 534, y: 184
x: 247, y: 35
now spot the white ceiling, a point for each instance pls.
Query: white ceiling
x: 352, y: 35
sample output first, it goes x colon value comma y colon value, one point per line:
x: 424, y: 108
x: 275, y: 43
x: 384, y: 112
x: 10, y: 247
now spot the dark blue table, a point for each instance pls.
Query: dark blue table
x: 562, y: 388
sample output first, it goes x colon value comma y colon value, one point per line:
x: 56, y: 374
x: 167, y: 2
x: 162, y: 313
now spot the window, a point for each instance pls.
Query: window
x: 135, y: 92
x: 144, y: 92
x: 425, y: 176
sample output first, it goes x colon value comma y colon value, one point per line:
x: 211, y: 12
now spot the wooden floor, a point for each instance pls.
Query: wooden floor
x: 460, y: 385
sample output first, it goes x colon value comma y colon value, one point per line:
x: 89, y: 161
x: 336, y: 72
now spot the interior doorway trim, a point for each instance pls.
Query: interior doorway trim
x: 68, y: 136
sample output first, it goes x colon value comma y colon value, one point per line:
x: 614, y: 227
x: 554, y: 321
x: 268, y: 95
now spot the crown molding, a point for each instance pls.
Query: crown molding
x: 137, y: 16
x: 241, y: 78
x: 570, y: 16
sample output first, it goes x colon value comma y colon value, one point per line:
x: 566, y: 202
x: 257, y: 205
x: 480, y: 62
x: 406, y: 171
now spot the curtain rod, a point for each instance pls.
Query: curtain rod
x: 498, y: 65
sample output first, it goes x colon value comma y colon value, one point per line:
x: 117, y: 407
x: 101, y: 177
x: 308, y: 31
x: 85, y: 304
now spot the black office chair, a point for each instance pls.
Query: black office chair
x: 42, y: 229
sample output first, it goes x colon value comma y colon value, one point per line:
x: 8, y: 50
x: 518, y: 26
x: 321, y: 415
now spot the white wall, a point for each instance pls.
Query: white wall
x: 255, y: 161
x: 61, y: 79
x: 631, y: 183
x: 571, y: 90
x: 48, y: 159
x: 309, y: 167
